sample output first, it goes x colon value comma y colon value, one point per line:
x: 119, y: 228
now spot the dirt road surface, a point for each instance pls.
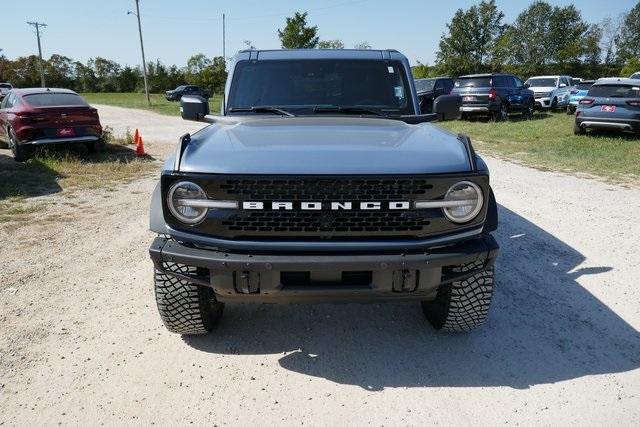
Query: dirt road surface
x: 81, y: 342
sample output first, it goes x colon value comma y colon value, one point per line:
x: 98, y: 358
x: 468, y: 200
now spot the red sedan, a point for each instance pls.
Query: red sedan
x: 32, y: 117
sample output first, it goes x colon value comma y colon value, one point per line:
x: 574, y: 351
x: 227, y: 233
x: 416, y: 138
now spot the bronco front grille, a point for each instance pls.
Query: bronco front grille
x: 325, y: 223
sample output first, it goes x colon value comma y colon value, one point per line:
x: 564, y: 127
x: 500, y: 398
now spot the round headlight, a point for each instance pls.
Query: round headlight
x: 466, y: 202
x: 178, y: 202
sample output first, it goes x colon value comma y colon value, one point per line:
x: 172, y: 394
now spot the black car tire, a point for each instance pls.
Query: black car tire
x: 578, y: 130
x: 185, y: 308
x: 569, y: 110
x: 554, y: 104
x: 528, y: 112
x: 502, y: 115
x: 463, y: 305
x: 20, y: 152
x: 95, y: 147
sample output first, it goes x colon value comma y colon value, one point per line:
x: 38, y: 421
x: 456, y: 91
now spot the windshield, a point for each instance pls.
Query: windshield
x: 5, y: 86
x: 615, y: 91
x: 304, y: 84
x: 473, y: 82
x: 542, y: 82
x: 584, y: 85
x: 425, y: 85
x: 53, y: 99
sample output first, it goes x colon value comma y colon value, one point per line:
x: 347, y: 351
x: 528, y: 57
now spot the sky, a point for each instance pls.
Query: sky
x: 174, y: 30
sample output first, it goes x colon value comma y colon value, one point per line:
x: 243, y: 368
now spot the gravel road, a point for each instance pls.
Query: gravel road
x: 80, y: 339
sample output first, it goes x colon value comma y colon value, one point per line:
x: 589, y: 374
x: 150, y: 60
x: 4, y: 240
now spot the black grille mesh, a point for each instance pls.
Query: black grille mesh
x: 326, y: 189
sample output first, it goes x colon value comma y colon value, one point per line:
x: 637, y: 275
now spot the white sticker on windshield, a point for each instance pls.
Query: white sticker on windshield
x: 399, y: 92
x: 391, y: 70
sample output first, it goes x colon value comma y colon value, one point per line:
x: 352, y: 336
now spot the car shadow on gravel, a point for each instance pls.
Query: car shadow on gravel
x: 26, y: 179
x: 543, y: 327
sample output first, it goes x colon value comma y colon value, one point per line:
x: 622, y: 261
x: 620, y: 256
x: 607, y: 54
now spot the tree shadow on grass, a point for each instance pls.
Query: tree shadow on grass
x: 40, y: 175
x: 515, y: 117
x: 543, y: 327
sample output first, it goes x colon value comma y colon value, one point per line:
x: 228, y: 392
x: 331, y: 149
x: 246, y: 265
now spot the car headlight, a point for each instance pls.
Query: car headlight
x: 180, y: 201
x: 462, y: 202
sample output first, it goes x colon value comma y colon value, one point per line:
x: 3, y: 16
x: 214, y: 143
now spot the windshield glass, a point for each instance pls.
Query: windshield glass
x: 473, y: 82
x: 615, y: 91
x: 542, y: 82
x: 302, y: 85
x: 53, y: 99
x: 5, y: 86
x: 425, y: 85
x: 584, y: 85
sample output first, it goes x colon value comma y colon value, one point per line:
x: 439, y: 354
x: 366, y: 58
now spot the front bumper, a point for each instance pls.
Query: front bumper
x: 396, y: 276
x: 543, y: 102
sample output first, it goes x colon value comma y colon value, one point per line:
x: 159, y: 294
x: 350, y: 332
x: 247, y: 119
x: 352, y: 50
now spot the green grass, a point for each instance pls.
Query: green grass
x: 138, y: 100
x: 548, y: 142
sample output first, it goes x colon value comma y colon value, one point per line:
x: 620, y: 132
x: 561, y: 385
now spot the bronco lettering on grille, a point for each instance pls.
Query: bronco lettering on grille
x: 334, y: 206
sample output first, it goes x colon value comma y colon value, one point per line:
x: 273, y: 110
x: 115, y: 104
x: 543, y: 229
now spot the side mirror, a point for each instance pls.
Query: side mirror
x: 193, y: 108
x: 447, y: 107
x: 563, y: 85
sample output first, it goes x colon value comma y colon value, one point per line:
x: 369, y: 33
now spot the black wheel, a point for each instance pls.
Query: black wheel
x: 569, y: 110
x: 185, y: 308
x: 502, y: 114
x: 528, y: 112
x: 20, y: 152
x: 96, y: 146
x: 578, y: 130
x: 554, y: 104
x: 464, y: 116
x: 463, y: 305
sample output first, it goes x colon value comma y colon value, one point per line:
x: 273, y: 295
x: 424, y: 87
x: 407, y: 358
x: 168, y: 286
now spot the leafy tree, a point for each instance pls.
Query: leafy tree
x: 550, y: 39
x: 470, y: 40
x: 362, y: 45
x: 297, y: 34
x: 128, y: 79
x: 628, y: 41
x: 330, y: 44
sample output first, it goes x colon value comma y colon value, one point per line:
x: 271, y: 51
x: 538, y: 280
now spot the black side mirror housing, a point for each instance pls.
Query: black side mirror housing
x: 194, y: 108
x: 447, y: 107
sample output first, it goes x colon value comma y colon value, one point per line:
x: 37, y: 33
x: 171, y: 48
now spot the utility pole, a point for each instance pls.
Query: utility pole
x: 37, y: 26
x: 144, y: 63
x: 224, y: 56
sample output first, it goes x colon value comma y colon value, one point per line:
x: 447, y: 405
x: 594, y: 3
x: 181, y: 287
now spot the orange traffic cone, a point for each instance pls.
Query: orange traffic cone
x: 136, y: 137
x: 140, y: 148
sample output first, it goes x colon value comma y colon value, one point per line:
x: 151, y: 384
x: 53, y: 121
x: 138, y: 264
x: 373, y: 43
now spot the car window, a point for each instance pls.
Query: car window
x: 448, y: 85
x: 473, y: 82
x: 5, y: 86
x: 615, y: 91
x: 54, y: 99
x: 508, y: 81
x: 424, y: 85
x: 5, y: 102
x: 517, y: 82
x: 439, y: 85
x: 635, y: 76
x: 542, y: 82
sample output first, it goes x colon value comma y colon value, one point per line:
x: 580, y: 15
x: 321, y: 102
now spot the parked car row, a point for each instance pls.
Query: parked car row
x: 609, y: 103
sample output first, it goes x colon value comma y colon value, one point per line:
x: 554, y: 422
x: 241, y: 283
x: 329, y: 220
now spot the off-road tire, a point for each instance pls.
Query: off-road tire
x: 463, y: 305
x: 185, y: 308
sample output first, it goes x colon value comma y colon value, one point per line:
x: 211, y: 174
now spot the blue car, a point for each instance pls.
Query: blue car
x: 578, y: 92
x: 611, y: 103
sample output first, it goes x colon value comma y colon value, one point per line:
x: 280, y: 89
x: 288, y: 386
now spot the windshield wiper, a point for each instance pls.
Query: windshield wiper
x: 261, y: 109
x: 346, y: 109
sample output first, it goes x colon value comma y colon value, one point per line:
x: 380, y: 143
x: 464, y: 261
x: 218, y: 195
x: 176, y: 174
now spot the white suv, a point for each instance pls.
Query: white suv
x: 550, y: 92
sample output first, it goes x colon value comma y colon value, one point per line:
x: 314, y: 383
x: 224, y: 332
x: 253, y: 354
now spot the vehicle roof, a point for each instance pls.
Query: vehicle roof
x: 434, y: 78
x: 617, y: 80
x: 588, y: 81
x: 32, y: 90
x: 275, y: 54
x: 549, y: 77
x: 471, y: 76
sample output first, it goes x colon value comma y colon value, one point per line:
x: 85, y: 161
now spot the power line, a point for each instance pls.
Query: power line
x: 37, y: 26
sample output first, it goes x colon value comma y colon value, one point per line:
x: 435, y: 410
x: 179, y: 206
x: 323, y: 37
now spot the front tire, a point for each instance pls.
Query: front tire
x: 528, y: 112
x: 462, y: 305
x: 185, y: 308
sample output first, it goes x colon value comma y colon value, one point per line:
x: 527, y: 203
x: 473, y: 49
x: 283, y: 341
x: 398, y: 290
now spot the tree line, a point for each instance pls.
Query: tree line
x: 104, y: 75
x: 543, y: 39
